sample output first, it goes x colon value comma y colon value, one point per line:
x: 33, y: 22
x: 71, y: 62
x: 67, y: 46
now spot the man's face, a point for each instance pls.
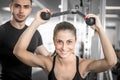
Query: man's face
x: 21, y: 9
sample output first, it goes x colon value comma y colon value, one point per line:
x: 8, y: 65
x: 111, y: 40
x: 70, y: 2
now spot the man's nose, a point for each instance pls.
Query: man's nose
x: 21, y: 9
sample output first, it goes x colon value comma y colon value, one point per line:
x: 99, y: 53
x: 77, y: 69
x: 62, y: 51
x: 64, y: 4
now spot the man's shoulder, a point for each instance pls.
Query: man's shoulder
x: 4, y: 24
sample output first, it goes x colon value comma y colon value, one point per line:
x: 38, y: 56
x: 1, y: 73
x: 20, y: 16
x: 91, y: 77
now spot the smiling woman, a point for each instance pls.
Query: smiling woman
x: 65, y: 65
x: 15, y: 30
x: 64, y: 38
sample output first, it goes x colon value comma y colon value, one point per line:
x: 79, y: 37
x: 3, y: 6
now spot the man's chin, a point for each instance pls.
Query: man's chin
x: 18, y: 20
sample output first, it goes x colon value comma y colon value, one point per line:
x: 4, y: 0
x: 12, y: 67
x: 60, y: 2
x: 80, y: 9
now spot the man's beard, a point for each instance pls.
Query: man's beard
x: 17, y: 20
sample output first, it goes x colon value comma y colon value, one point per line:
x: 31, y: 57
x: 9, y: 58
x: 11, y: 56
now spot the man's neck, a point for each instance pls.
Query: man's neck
x: 18, y: 25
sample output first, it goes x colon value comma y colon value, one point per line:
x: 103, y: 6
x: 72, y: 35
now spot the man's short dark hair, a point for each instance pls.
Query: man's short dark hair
x: 13, y: 0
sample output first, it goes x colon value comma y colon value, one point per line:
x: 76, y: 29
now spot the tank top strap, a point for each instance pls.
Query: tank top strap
x: 77, y: 63
x: 53, y: 62
x: 51, y: 75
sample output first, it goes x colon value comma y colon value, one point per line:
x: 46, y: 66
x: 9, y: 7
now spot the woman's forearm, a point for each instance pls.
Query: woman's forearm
x: 107, y: 47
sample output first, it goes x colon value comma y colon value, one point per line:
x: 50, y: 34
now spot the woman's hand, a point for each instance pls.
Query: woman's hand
x: 97, y: 24
x: 38, y: 17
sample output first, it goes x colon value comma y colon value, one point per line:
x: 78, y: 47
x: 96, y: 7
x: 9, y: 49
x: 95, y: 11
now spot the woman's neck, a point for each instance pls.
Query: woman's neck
x: 67, y: 60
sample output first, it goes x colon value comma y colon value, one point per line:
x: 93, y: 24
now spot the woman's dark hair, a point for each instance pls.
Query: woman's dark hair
x: 64, y: 26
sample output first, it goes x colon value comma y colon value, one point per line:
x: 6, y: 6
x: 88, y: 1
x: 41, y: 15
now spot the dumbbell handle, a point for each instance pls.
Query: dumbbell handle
x: 47, y: 16
x: 89, y: 21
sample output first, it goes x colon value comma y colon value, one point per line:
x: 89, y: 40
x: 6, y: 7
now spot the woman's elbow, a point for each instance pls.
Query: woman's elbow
x: 16, y: 51
x: 112, y: 63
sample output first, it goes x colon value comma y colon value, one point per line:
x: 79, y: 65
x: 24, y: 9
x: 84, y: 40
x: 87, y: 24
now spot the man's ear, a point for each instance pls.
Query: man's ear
x: 11, y: 8
x: 31, y: 10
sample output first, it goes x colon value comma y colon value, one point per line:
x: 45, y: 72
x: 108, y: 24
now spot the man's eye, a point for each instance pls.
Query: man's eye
x: 17, y: 6
x: 27, y: 6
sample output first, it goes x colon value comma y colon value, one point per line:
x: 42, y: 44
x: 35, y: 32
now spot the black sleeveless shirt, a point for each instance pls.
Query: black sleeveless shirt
x: 77, y: 76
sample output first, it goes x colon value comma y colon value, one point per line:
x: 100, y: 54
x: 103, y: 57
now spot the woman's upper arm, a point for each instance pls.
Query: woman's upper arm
x: 32, y: 59
x: 97, y: 65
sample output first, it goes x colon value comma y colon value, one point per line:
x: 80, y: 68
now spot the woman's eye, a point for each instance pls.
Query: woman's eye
x: 59, y: 41
x: 69, y: 42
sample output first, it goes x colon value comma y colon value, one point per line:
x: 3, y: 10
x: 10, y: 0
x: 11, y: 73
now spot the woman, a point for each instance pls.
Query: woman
x: 65, y: 65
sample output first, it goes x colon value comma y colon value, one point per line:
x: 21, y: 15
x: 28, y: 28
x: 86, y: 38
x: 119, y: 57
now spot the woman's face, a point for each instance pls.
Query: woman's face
x: 64, y: 42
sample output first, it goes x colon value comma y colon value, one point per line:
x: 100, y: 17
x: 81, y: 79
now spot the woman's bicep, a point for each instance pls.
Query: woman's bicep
x: 98, y: 65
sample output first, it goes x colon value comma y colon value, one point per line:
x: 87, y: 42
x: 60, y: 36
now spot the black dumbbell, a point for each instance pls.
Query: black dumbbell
x: 90, y: 21
x: 45, y: 15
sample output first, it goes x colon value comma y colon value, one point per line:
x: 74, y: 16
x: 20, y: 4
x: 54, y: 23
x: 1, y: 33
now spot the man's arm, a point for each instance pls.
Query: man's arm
x: 42, y: 51
x: 118, y: 53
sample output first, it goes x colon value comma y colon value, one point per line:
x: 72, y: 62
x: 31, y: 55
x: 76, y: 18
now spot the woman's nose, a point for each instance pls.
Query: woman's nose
x: 64, y: 46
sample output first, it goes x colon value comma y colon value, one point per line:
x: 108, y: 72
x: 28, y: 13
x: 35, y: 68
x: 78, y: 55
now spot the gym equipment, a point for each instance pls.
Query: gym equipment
x: 89, y: 21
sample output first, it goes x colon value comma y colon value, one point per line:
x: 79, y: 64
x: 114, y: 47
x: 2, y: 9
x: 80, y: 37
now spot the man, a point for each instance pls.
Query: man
x: 12, y: 68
